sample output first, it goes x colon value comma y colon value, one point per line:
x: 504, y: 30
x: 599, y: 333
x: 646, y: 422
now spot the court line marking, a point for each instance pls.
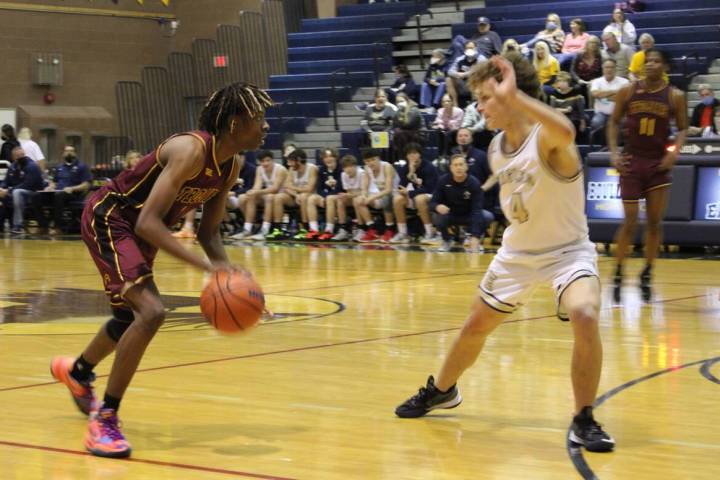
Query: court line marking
x: 184, y: 466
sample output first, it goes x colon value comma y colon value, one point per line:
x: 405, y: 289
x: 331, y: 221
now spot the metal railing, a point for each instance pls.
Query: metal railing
x: 333, y: 94
x: 420, y: 31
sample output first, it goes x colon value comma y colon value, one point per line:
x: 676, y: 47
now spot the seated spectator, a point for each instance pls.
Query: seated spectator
x: 702, y: 121
x: 418, y: 178
x: 404, y: 83
x: 475, y: 158
x: 10, y: 141
x: 288, y: 148
x: 433, y: 87
x: 299, y: 184
x: 574, y: 42
x: 568, y: 100
x: 620, y: 53
x: 552, y: 35
x: 329, y: 185
x: 269, y: 180
x: 352, y: 180
x: 458, y: 200
x: 31, y: 148
x: 603, y: 91
x: 237, y: 196
x: 407, y: 123
x: 71, y: 181
x: 460, y: 71
x: 487, y: 42
x: 622, y: 28
x: 637, y: 64
x: 378, y: 117
x: 510, y: 45
x: 474, y: 121
x: 22, y: 181
x: 546, y: 66
x: 132, y: 158
x: 379, y: 183
x: 587, y: 65
x: 448, y: 120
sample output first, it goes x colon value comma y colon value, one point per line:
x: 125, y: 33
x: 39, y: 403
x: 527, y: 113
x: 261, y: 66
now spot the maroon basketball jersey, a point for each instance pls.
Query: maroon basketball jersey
x: 130, y: 189
x: 647, y: 122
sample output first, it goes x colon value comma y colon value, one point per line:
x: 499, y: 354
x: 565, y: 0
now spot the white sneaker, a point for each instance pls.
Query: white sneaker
x: 258, y: 236
x: 359, y: 235
x: 341, y: 236
x: 400, y: 238
x: 430, y: 240
x: 444, y: 247
x: 478, y: 249
x: 242, y: 235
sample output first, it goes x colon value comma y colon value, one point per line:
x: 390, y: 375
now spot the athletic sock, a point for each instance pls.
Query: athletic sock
x: 329, y: 227
x: 618, y: 270
x: 247, y: 226
x: 82, y: 369
x: 265, y: 229
x: 314, y: 226
x: 111, y: 402
x: 428, y: 230
x: 402, y: 228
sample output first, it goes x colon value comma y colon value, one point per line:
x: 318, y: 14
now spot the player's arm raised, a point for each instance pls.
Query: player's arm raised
x: 183, y: 159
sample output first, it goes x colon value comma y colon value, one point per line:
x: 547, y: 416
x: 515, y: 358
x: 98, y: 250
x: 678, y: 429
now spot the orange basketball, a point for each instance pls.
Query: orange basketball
x: 232, y: 301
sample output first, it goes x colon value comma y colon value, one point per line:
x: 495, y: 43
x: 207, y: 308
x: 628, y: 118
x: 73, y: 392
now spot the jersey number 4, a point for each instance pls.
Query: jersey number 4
x: 647, y: 126
x: 517, y: 207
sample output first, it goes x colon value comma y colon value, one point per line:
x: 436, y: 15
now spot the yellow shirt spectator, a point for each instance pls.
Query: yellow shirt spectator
x: 548, y: 70
x: 637, y: 66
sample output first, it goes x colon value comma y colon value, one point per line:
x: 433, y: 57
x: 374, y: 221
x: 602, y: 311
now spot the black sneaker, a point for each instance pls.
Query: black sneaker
x: 429, y: 398
x: 587, y: 432
x: 617, y: 285
x: 645, y: 287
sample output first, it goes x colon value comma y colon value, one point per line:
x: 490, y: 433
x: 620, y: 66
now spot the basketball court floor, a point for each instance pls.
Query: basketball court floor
x: 310, y: 394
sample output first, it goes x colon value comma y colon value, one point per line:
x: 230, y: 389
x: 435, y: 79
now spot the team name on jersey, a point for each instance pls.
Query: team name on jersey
x: 650, y: 107
x: 515, y: 175
x: 193, y: 195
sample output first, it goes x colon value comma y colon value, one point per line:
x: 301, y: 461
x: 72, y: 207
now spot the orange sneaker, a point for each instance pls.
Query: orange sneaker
x: 104, y: 438
x: 82, y: 393
x: 184, y: 233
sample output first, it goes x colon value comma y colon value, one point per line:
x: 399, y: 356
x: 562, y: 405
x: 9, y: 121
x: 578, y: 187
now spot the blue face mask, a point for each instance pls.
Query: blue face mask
x: 708, y: 100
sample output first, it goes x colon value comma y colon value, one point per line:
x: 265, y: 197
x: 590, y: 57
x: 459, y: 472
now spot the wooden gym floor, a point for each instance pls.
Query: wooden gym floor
x: 310, y: 394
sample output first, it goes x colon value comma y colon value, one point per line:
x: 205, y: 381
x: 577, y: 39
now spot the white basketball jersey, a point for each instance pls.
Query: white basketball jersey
x: 303, y: 180
x: 377, y: 184
x: 352, y: 184
x: 545, y: 210
x: 268, y: 181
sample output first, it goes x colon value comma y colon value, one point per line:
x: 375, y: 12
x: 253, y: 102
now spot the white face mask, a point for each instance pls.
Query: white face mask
x: 471, y: 53
x: 434, y: 61
x: 402, y: 104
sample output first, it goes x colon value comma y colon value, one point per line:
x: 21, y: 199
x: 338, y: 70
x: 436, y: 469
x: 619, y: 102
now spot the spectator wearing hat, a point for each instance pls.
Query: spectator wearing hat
x: 487, y: 42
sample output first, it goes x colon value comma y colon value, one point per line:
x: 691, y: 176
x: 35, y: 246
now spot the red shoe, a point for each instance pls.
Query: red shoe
x: 370, y: 236
x: 82, y: 393
x: 104, y: 438
x: 312, y: 235
x: 389, y: 234
x: 325, y: 237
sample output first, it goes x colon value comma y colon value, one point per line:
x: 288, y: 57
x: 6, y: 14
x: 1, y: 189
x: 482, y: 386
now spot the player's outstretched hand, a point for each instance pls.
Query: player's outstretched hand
x: 506, y: 90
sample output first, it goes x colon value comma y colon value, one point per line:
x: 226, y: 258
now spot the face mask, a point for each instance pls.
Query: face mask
x: 708, y: 100
x: 402, y: 104
x: 69, y: 158
x: 550, y: 26
x: 434, y: 61
x: 471, y: 53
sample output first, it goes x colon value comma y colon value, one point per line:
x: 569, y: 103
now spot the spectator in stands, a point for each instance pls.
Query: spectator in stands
x: 510, y: 45
x: 702, y: 121
x: 299, y: 184
x: 587, y: 65
x: 552, y: 35
x: 329, y: 185
x: 448, y: 120
x: 22, y: 181
x: 31, y: 148
x: 10, y: 141
x: 603, y: 90
x: 622, y: 28
x: 637, y: 64
x: 620, y: 53
x: 132, y: 158
x: 237, y: 196
x: 418, y: 178
x: 487, y: 42
x: 269, y: 180
x: 407, y: 123
x: 568, y: 100
x: 379, y: 183
x: 352, y: 180
x: 378, y: 117
x: 433, y: 87
x: 474, y: 121
x: 574, y: 42
x: 460, y: 71
x: 71, y: 181
x: 546, y: 66
x: 458, y: 200
x: 475, y: 158
x: 404, y: 83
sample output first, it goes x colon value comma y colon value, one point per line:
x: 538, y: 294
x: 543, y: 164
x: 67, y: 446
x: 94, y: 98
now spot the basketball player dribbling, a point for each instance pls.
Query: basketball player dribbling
x: 541, y: 192
x: 126, y: 222
x: 647, y: 107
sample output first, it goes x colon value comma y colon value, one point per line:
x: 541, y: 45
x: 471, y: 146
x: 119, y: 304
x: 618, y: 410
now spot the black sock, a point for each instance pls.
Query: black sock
x: 111, y: 402
x: 646, y: 270
x: 618, y: 270
x: 348, y: 227
x: 82, y: 369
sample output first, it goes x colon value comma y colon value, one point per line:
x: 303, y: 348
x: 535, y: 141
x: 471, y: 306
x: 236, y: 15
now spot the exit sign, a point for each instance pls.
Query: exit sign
x: 220, y: 61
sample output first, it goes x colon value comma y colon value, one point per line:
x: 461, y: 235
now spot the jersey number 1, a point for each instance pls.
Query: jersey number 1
x: 517, y: 207
x: 647, y: 126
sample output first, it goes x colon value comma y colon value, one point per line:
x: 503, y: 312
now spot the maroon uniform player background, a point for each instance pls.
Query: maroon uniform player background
x: 647, y: 107
x: 126, y: 222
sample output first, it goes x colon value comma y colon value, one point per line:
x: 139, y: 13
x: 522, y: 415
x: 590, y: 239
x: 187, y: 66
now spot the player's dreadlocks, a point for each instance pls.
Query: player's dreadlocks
x: 242, y: 99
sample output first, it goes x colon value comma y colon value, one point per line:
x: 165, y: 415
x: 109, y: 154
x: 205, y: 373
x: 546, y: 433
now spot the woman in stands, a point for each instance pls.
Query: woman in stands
x: 622, y: 28
x: 546, y: 66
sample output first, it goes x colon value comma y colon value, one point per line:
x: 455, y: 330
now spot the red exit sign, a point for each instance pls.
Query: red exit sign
x: 220, y: 61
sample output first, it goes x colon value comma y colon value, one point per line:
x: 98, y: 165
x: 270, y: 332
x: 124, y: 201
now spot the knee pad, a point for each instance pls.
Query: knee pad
x: 116, y: 326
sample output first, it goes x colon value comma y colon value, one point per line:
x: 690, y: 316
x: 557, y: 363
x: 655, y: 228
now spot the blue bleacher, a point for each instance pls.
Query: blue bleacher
x: 320, y: 94
x: 300, y: 54
x: 353, y: 37
x: 327, y: 66
x: 300, y: 109
x: 290, y: 125
x: 407, y: 8
x: 353, y: 79
x: 391, y: 20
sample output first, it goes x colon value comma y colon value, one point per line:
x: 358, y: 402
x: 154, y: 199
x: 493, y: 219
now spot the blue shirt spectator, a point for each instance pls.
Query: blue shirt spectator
x: 246, y: 178
x: 24, y: 174
x: 70, y: 173
x: 423, y: 180
x: 329, y: 181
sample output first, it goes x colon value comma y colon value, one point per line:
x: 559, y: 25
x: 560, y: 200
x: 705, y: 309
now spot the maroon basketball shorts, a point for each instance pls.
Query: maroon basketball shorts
x: 122, y: 259
x: 642, y: 176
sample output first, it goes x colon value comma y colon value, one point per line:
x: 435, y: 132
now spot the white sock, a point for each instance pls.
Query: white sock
x: 314, y: 226
x: 188, y: 226
x: 329, y: 227
x: 402, y: 228
x: 265, y: 229
x: 247, y: 226
x: 428, y: 230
